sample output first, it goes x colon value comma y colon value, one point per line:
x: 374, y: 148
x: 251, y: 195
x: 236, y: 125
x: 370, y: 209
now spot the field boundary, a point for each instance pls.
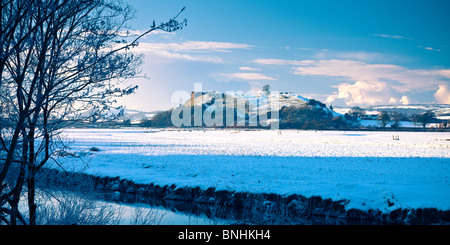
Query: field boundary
x: 244, y: 207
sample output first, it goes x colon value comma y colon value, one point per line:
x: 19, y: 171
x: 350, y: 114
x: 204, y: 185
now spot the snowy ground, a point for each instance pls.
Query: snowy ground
x: 403, y: 124
x: 367, y: 168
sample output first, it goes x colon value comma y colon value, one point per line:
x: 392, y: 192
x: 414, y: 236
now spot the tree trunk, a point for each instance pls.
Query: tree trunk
x: 15, y: 193
x: 31, y: 196
x: 31, y: 176
x: 7, y: 164
x: 12, y: 148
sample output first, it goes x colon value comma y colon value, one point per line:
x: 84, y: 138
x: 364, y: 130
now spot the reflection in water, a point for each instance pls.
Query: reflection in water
x: 259, y: 211
x: 59, y: 207
x: 137, y: 210
x: 143, y: 214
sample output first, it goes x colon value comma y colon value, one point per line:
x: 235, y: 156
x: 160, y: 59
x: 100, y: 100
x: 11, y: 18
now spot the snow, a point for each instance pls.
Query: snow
x: 258, y: 101
x: 302, y: 98
x: 366, y: 168
x: 403, y: 124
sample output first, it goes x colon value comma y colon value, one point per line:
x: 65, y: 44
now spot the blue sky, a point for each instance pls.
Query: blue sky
x: 344, y: 53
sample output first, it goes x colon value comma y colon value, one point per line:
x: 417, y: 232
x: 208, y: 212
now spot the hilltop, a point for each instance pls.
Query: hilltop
x: 251, y: 104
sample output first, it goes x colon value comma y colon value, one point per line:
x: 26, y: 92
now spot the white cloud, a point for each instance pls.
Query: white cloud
x: 354, y: 70
x: 190, y: 50
x: 392, y: 101
x: 442, y: 95
x: 136, y: 33
x: 392, y: 36
x: 405, y: 100
x: 280, y: 62
x: 359, y: 55
x: 247, y: 76
x: 195, y: 46
x: 365, y: 83
x: 246, y: 68
x: 445, y: 73
x: 362, y: 93
x: 366, y: 93
x: 430, y: 48
x: 180, y: 56
x: 400, y: 78
x: 307, y: 49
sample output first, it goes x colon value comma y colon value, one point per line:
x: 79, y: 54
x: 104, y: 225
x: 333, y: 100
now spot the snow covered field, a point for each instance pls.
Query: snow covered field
x: 369, y: 169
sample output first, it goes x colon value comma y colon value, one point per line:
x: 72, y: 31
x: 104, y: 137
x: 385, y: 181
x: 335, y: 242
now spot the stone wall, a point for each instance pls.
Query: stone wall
x: 245, y: 207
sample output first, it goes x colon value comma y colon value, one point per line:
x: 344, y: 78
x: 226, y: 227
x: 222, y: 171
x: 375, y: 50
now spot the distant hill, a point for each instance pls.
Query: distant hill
x: 442, y: 111
x: 295, y: 111
x: 135, y: 115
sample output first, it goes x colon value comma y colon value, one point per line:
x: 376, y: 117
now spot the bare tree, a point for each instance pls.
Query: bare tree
x: 357, y: 112
x: 396, y: 117
x: 384, y: 118
x: 424, y: 119
x: 62, y: 61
